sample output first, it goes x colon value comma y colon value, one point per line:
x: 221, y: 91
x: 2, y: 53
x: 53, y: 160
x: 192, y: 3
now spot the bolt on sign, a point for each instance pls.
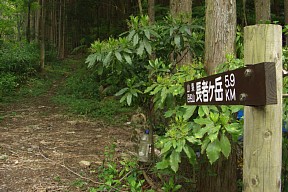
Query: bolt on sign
x: 253, y: 85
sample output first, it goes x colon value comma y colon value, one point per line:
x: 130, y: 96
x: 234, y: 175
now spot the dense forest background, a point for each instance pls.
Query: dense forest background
x: 140, y: 53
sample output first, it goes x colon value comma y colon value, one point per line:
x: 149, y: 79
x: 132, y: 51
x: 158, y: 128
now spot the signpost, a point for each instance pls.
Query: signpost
x: 258, y: 87
x: 238, y: 87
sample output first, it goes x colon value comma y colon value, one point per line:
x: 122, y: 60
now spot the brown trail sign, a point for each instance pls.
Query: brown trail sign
x: 254, y: 85
x: 259, y: 88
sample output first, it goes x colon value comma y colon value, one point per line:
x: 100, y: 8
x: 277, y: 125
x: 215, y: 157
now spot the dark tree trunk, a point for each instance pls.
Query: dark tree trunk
x: 42, y: 36
x: 28, y: 28
x: 151, y: 11
x: 262, y: 11
x: 219, y: 41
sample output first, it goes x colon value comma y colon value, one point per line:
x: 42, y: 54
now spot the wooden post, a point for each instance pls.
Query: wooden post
x: 263, y: 125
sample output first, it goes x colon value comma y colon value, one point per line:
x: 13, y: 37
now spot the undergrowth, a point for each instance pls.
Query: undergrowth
x: 81, y: 94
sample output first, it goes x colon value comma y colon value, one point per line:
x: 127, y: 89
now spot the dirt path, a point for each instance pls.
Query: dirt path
x: 40, y: 147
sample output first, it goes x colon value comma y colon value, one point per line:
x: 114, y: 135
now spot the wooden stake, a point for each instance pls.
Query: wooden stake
x: 263, y: 125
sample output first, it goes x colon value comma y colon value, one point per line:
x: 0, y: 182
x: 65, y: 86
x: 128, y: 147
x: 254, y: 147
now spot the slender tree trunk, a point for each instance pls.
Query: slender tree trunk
x: 151, y: 11
x: 28, y: 22
x: 262, y: 11
x: 62, y: 42
x: 140, y: 7
x: 220, y: 32
x: 219, y: 41
x: 182, y: 9
x: 42, y: 34
x: 37, y: 22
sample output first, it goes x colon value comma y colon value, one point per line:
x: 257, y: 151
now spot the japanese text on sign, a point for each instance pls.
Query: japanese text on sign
x: 218, y: 90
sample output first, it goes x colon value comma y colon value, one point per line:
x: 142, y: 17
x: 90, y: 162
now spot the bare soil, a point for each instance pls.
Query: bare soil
x: 41, y: 146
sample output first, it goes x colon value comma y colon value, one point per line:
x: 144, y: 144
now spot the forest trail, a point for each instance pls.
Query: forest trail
x: 41, y: 147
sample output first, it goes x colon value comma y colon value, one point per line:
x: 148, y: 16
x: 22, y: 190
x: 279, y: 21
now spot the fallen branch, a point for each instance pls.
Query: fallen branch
x: 150, y: 182
x: 70, y: 170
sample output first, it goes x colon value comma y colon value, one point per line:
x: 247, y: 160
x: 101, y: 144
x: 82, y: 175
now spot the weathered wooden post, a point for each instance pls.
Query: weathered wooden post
x: 263, y: 124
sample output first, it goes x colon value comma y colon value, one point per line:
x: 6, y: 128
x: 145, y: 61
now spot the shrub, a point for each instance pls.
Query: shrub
x: 8, y: 83
x: 20, y: 59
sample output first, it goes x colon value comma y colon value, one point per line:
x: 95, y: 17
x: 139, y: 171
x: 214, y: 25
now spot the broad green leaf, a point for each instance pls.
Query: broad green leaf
x: 180, y: 145
x: 224, y: 119
x: 121, y: 91
x: 167, y: 147
x: 150, y: 88
x: 169, y: 113
x: 213, y: 151
x: 189, y: 111
x: 123, y: 98
x: 189, y: 152
x: 118, y: 56
x: 140, y: 49
x: 214, y: 117
x: 147, y: 46
x: 201, y: 112
x: 131, y: 34
x: 236, y: 108
x: 174, y: 143
x: 162, y: 164
x: 177, y: 40
x: 192, y: 139
x: 128, y: 59
x: 233, y: 128
x: 205, y: 109
x: 225, y: 145
x: 129, y: 99
x: 174, y: 161
x: 213, y: 136
x: 147, y: 33
x: 203, y: 121
x: 91, y: 60
x: 163, y: 94
x: 107, y: 59
x: 156, y: 90
x: 199, y: 134
x: 135, y: 39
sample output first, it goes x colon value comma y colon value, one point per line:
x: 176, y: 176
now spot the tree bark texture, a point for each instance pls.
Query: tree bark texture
x: 220, y: 32
x: 151, y: 11
x: 42, y: 35
x: 182, y: 9
x: 262, y: 11
x: 219, y: 41
x: 28, y: 33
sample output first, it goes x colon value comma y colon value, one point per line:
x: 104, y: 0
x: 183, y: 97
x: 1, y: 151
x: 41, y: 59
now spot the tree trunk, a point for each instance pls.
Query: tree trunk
x: 220, y: 33
x: 219, y: 41
x: 286, y: 18
x: 42, y: 34
x: 140, y: 7
x: 182, y: 9
x: 28, y: 22
x: 262, y: 11
x: 151, y: 11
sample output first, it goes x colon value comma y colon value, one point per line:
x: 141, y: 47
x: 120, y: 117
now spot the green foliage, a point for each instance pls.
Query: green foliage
x: 121, y: 174
x: 18, y: 63
x: 128, y: 56
x: 8, y: 84
x: 171, y: 186
x: 20, y: 59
